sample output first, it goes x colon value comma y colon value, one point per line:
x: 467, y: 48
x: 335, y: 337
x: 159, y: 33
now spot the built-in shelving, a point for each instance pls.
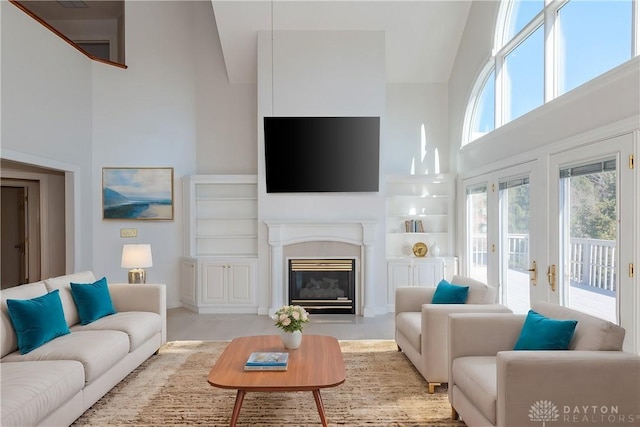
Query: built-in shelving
x: 223, y: 215
x: 424, y: 199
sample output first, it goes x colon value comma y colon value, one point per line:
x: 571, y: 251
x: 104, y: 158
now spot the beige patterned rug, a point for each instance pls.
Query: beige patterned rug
x: 382, y: 389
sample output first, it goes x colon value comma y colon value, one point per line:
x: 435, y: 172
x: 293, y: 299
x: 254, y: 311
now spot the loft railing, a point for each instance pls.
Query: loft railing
x: 591, y: 263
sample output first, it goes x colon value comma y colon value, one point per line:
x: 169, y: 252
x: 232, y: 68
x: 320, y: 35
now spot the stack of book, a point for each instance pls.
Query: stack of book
x: 413, y: 226
x: 267, y: 361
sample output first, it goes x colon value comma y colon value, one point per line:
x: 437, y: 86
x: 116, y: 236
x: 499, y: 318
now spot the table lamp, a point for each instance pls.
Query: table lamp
x: 137, y: 258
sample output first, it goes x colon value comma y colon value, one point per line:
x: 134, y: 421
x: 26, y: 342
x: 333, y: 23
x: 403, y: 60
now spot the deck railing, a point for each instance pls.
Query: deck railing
x: 591, y: 263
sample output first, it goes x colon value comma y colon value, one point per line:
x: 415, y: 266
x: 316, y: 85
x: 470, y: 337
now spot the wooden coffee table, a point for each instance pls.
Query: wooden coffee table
x: 316, y: 364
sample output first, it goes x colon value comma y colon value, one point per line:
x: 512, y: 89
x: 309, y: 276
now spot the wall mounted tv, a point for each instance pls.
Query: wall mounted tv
x: 322, y: 154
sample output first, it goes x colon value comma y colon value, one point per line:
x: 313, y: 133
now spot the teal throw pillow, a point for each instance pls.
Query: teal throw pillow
x: 447, y: 293
x: 93, y: 300
x: 541, y: 333
x: 38, y: 320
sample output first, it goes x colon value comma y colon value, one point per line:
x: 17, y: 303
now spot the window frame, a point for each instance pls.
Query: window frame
x: 548, y: 19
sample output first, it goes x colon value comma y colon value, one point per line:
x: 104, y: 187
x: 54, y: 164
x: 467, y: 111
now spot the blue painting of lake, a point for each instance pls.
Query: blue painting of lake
x: 159, y: 209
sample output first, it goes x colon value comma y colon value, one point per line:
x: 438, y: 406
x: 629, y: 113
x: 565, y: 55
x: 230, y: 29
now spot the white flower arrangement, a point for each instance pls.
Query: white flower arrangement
x: 291, y: 318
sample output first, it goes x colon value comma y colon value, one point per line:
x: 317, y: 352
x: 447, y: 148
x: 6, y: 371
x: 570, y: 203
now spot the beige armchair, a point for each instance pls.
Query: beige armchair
x: 421, y: 327
x: 490, y: 384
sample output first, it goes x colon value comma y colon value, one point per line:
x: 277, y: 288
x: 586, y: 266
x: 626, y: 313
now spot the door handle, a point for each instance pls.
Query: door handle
x: 551, y: 277
x: 533, y: 273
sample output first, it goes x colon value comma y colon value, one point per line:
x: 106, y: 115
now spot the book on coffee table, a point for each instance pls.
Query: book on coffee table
x: 267, y: 361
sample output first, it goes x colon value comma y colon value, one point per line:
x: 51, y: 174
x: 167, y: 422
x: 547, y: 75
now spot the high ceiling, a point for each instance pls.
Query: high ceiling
x: 422, y: 36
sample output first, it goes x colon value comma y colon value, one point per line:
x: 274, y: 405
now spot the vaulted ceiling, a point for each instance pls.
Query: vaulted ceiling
x: 421, y: 36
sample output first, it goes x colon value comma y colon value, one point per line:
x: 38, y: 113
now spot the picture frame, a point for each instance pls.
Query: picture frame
x: 132, y: 193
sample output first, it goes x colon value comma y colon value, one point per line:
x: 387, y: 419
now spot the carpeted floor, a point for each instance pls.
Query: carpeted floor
x: 382, y: 389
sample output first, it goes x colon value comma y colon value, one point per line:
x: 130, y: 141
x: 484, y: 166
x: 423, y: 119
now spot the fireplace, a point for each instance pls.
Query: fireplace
x: 323, y: 285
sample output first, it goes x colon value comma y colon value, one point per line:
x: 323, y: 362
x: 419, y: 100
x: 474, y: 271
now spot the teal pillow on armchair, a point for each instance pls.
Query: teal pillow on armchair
x: 447, y: 293
x: 541, y: 333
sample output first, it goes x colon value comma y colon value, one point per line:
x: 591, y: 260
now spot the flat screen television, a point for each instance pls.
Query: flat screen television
x: 322, y: 154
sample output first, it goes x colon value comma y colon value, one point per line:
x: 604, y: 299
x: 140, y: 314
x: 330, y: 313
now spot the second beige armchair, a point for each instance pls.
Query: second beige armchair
x: 421, y: 327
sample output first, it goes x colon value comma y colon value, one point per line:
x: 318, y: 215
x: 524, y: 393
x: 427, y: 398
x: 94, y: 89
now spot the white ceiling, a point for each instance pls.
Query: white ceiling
x: 422, y: 36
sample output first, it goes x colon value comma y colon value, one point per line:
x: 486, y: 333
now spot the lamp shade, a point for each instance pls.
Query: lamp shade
x: 136, y: 256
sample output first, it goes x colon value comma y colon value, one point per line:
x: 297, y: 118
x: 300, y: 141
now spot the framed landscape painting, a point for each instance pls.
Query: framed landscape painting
x: 137, y: 193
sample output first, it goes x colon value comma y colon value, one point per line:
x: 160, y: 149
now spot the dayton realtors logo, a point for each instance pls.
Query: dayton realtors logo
x: 546, y: 411
x: 543, y: 410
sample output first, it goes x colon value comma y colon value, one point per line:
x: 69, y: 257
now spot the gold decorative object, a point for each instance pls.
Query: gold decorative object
x: 420, y: 249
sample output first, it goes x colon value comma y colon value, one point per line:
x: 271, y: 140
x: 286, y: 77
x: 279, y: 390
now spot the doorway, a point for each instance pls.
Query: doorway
x: 20, y: 248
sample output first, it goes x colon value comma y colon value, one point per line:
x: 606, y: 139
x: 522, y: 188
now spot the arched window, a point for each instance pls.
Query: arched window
x: 545, y: 50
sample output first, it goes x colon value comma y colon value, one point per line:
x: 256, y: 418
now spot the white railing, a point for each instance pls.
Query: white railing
x: 591, y: 263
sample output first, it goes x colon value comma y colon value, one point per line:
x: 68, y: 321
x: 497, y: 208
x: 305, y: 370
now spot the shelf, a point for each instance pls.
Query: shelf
x: 222, y: 212
x: 428, y: 199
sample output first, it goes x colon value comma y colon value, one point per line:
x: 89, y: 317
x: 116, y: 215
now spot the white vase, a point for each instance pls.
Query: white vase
x: 434, y: 251
x: 291, y: 340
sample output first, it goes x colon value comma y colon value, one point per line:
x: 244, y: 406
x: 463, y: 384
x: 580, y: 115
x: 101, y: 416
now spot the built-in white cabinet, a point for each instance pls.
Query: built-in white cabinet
x: 219, y: 285
x: 419, y: 208
x: 412, y: 272
x: 219, y: 270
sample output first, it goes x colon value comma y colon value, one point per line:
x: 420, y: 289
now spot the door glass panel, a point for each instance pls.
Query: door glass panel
x: 588, y: 206
x: 477, y: 232
x: 514, y: 244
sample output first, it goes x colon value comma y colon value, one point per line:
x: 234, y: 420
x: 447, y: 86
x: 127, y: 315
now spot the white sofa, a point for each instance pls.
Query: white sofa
x: 591, y: 383
x: 421, y: 327
x: 55, y: 383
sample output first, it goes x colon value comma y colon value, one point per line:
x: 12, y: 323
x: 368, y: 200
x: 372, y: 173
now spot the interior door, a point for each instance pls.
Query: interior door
x: 591, y: 252
x: 14, y: 236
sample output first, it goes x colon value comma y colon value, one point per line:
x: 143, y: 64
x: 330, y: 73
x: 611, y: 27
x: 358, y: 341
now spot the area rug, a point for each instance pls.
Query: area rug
x: 382, y: 389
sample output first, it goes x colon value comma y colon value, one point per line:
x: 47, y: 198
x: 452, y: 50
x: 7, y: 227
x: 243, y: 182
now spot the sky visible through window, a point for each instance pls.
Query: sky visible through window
x: 592, y: 37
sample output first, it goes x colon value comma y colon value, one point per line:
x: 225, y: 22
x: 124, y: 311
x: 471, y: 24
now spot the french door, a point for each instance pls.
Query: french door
x: 591, y: 252
x: 502, y: 234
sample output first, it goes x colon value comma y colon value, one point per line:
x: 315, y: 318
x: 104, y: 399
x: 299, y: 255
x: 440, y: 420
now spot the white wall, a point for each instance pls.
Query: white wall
x: 226, y: 129
x: 145, y: 116
x: 320, y: 74
x: 47, y: 111
x: 410, y: 107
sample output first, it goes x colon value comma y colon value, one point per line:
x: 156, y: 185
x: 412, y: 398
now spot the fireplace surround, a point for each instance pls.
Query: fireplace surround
x: 360, y: 233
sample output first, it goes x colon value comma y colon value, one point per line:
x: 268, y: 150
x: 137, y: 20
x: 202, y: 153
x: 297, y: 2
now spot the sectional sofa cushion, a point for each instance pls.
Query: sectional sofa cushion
x: 98, y: 351
x: 138, y: 325
x: 37, y: 321
x: 447, y: 293
x: 476, y: 376
x: 63, y: 283
x: 32, y: 390
x: 542, y: 333
x: 93, y: 300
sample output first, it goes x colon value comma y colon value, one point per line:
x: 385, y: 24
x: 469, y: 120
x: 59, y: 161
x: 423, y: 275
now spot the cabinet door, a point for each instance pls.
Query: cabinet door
x: 428, y: 274
x: 398, y: 274
x: 188, y: 282
x: 240, y: 282
x: 214, y: 289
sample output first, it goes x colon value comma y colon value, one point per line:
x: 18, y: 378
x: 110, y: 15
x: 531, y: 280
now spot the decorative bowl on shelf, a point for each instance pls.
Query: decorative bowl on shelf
x: 420, y: 249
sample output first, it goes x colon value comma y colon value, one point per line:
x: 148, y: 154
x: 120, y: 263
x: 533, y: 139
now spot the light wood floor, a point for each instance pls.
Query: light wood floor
x: 183, y: 324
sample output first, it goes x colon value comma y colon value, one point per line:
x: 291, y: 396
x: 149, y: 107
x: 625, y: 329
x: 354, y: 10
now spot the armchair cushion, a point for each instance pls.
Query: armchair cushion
x: 447, y: 293
x: 541, y: 333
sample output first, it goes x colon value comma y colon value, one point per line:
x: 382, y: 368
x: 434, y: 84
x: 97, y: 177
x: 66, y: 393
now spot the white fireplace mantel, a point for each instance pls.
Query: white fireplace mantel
x: 287, y: 232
